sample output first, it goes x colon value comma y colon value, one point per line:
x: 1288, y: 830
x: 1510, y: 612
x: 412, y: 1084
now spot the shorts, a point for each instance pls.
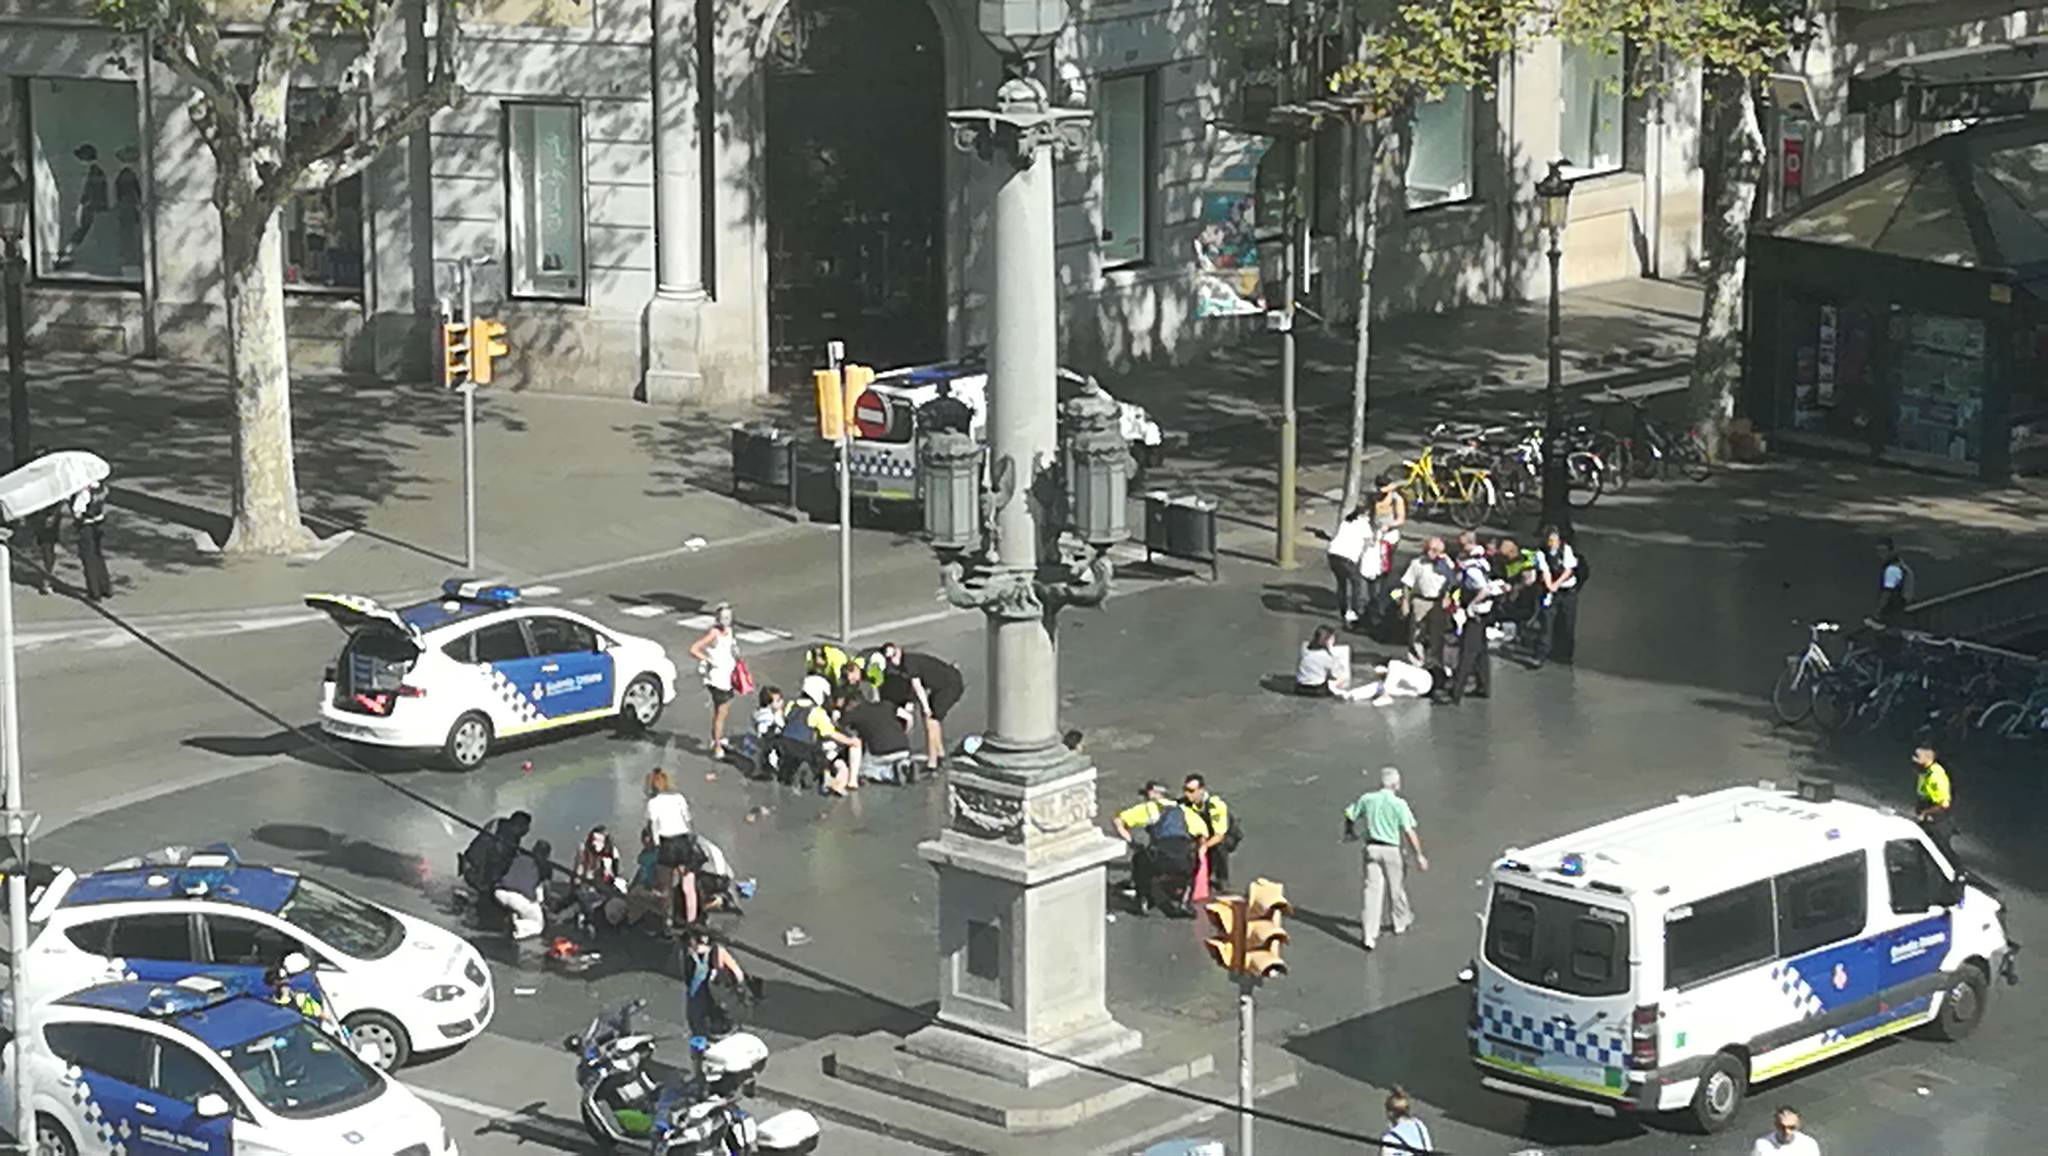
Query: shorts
x: 720, y: 695
x: 679, y: 851
x: 943, y: 700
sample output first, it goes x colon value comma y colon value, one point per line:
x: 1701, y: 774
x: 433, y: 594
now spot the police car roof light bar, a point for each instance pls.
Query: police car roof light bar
x: 193, y: 993
x: 493, y: 591
x: 217, y: 855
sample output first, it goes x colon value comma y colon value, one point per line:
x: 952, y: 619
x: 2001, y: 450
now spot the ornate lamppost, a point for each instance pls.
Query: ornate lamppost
x: 13, y: 275
x: 1554, y: 193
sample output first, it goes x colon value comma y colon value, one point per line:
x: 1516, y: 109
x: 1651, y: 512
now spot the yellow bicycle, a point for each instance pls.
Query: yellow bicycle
x: 1461, y: 492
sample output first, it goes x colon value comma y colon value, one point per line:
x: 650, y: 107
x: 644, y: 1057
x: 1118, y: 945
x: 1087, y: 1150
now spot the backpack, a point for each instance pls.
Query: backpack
x: 1583, y: 569
x: 1905, y: 579
x: 796, y: 726
x: 1232, y: 837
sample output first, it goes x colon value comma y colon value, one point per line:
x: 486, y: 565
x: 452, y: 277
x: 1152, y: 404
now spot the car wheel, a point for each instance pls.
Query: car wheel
x: 1722, y: 1088
x: 52, y: 1139
x: 469, y: 742
x: 379, y: 1040
x: 640, y: 704
x: 1963, y: 1005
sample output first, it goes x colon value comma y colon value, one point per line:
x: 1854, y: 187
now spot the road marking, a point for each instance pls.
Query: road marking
x: 543, y: 590
x: 914, y: 620
x: 582, y: 601
x: 763, y: 635
x: 643, y: 610
x: 697, y: 622
x: 504, y: 1117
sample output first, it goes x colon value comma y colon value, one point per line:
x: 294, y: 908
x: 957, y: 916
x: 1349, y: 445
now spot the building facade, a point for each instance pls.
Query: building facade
x: 682, y: 199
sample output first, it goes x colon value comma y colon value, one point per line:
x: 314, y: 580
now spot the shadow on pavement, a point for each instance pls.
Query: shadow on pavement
x: 325, y: 848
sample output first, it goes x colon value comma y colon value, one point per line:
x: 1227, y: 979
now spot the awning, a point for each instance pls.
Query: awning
x: 2004, y: 79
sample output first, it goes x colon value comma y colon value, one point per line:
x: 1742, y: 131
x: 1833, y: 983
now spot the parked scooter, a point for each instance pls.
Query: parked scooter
x: 627, y: 1109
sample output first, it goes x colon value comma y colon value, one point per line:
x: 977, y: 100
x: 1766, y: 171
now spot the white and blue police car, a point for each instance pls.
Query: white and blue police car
x: 196, y: 1067
x: 399, y: 984
x: 460, y: 672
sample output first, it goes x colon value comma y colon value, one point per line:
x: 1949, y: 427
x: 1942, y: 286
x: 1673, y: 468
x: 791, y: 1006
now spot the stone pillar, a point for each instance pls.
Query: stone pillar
x: 1021, y: 950
x: 674, y: 315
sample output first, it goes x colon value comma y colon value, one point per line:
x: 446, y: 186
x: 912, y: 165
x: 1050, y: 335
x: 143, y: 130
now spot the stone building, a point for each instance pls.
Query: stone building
x: 682, y: 198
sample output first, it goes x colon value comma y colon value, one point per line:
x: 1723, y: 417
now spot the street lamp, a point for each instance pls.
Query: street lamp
x: 13, y: 218
x: 47, y: 481
x: 1554, y: 193
x: 1022, y: 957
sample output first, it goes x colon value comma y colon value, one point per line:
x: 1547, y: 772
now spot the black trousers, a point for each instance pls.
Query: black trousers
x: 1350, y: 585
x: 1475, y: 660
x: 92, y: 556
x: 1941, y: 830
x: 1219, y: 868
x: 1162, y: 872
x: 1560, y: 627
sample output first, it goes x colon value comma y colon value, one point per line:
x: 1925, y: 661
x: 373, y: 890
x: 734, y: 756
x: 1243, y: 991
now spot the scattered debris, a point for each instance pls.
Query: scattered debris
x: 745, y: 887
x: 1921, y: 1090
x: 710, y: 776
x: 797, y: 937
x: 524, y: 990
x: 694, y: 543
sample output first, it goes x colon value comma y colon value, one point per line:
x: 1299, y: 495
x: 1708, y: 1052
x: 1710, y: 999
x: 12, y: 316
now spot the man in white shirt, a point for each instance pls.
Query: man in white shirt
x: 1425, y: 580
x: 1785, y: 1138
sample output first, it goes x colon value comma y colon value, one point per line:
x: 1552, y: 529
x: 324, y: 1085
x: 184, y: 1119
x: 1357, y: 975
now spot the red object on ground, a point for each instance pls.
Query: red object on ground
x: 1200, y: 894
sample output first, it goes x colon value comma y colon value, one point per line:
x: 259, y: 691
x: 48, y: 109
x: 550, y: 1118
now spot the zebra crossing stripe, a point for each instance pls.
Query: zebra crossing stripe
x: 761, y: 636
x: 541, y: 591
x: 643, y: 610
x: 696, y: 622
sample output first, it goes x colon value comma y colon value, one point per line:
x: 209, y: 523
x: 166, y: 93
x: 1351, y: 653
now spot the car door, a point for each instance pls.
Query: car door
x: 243, y: 948
x: 155, y: 945
x: 108, y: 1070
x: 179, y: 1076
x: 576, y: 677
x: 1915, y: 927
x: 503, y: 651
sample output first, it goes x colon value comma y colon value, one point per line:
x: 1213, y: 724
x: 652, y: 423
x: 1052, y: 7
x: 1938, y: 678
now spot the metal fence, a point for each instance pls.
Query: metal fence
x: 2002, y: 610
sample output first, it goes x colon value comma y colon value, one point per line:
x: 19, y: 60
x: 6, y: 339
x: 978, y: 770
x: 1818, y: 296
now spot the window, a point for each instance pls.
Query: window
x: 323, y: 229
x: 182, y: 1075
x: 1127, y: 130
x: 244, y: 941
x: 1558, y: 943
x: 546, y: 194
x: 342, y: 921
x: 91, y: 937
x: 116, y: 1053
x: 1440, y: 155
x: 1590, y: 108
x: 561, y: 636
x: 1917, y: 882
x: 462, y: 649
x: 86, y: 168
x: 1718, y: 934
x: 1822, y: 904
x: 300, y: 1074
x: 152, y: 937
x: 500, y: 642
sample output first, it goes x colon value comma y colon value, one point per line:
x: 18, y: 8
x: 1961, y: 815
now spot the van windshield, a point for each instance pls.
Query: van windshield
x: 1553, y: 942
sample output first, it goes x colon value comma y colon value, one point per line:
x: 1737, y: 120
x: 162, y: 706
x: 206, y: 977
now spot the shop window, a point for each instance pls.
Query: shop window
x: 1128, y: 164
x: 546, y: 196
x: 1590, y: 108
x: 1835, y: 393
x: 323, y: 229
x: 1941, y: 370
x: 86, y: 158
x: 1440, y: 155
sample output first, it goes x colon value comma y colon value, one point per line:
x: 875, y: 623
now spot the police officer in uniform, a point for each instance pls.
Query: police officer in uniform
x: 89, y: 510
x: 945, y: 413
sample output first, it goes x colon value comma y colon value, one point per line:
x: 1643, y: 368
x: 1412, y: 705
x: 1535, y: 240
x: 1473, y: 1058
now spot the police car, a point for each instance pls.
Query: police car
x: 462, y: 671
x: 197, y: 1067
x: 398, y: 983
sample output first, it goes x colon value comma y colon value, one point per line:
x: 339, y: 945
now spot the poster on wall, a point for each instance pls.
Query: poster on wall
x: 1226, y: 242
x: 86, y: 157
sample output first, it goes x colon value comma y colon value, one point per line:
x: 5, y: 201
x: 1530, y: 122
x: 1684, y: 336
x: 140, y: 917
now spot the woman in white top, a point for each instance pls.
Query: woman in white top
x: 718, y: 655
x: 676, y: 855
x: 1349, y: 545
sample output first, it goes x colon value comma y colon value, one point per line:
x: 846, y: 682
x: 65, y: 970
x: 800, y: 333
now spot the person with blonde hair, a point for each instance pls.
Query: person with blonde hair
x: 668, y: 817
x: 1404, y: 1132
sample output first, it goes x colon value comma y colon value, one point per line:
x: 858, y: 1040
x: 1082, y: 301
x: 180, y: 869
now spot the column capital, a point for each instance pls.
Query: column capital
x: 1020, y: 126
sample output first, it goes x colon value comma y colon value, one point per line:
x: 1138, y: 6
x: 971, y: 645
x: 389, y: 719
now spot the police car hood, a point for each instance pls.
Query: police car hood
x: 392, y: 1122
x: 353, y: 612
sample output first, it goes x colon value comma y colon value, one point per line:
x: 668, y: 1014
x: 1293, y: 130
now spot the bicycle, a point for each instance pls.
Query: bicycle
x: 1662, y: 453
x: 1466, y: 496
x: 1515, y: 463
x: 1792, y: 694
x: 2025, y: 718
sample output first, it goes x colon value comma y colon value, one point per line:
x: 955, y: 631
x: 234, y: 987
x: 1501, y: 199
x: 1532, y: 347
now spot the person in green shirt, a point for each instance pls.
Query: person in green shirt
x: 1388, y: 823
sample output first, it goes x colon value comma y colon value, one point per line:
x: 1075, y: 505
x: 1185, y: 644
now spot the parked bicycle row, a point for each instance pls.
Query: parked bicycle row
x: 1913, y: 684
x: 1468, y: 474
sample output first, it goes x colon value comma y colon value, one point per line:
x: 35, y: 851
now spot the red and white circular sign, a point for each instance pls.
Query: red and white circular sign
x: 871, y: 415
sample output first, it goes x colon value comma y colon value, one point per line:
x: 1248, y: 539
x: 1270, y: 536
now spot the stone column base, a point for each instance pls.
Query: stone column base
x: 674, y: 369
x: 1018, y: 1062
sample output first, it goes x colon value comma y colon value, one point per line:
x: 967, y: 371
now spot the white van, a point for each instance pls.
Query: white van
x: 1671, y: 959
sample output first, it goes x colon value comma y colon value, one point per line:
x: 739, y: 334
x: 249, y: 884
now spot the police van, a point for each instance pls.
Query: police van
x: 882, y: 452
x: 1670, y: 960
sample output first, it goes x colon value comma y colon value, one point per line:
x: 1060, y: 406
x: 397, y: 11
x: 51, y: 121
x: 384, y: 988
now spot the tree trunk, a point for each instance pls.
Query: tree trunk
x: 266, y: 507
x: 1371, y: 150
x: 1735, y: 148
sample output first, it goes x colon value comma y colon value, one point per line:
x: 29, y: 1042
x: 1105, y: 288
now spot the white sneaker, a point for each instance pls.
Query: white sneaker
x: 1383, y: 700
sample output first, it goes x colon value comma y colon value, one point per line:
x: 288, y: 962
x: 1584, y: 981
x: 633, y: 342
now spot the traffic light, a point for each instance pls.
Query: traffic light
x: 454, y: 353
x: 483, y: 346
x: 1265, y: 903
x: 831, y: 404
x: 1226, y: 922
x: 858, y: 378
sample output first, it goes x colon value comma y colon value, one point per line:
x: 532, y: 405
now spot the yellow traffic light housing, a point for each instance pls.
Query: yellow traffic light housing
x: 483, y: 346
x: 454, y: 353
x: 1226, y: 924
x: 1265, y: 902
x: 858, y: 378
x: 832, y: 407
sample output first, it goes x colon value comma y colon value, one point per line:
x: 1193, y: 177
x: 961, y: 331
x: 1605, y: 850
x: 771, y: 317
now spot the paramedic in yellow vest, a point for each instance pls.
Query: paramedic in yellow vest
x: 1933, y: 800
x: 1209, y: 820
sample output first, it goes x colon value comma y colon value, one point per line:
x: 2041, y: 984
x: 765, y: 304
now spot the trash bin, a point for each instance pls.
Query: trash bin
x: 764, y: 455
x: 950, y: 483
x: 1181, y: 526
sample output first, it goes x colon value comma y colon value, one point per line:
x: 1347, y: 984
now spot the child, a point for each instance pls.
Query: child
x: 758, y: 747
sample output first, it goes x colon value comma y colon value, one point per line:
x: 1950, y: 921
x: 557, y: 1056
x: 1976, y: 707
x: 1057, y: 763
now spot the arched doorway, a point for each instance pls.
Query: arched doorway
x: 856, y: 182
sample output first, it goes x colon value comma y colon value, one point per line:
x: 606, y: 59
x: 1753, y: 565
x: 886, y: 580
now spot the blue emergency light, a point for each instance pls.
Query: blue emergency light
x: 493, y: 593
x: 1572, y: 865
x: 189, y: 994
x: 206, y: 870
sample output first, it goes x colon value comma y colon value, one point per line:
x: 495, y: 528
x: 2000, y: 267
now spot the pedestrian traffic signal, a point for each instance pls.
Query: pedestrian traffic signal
x: 1265, y: 903
x: 483, y: 346
x: 831, y: 404
x: 858, y: 378
x: 454, y: 354
x: 1226, y: 925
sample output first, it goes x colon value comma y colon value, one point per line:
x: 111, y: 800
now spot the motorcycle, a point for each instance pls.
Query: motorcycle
x: 626, y: 1109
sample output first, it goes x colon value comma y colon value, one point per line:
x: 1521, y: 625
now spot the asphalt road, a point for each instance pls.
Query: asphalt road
x: 1676, y: 640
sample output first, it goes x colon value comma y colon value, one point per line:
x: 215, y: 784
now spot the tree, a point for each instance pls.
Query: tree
x: 239, y: 106
x: 1402, y: 59
x: 1735, y: 44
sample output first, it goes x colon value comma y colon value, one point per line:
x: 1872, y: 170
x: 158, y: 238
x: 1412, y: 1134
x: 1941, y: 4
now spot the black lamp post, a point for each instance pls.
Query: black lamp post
x: 13, y: 217
x: 1554, y: 193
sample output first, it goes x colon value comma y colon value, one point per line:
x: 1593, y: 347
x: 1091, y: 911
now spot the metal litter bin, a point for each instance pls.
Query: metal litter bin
x: 1181, y: 526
